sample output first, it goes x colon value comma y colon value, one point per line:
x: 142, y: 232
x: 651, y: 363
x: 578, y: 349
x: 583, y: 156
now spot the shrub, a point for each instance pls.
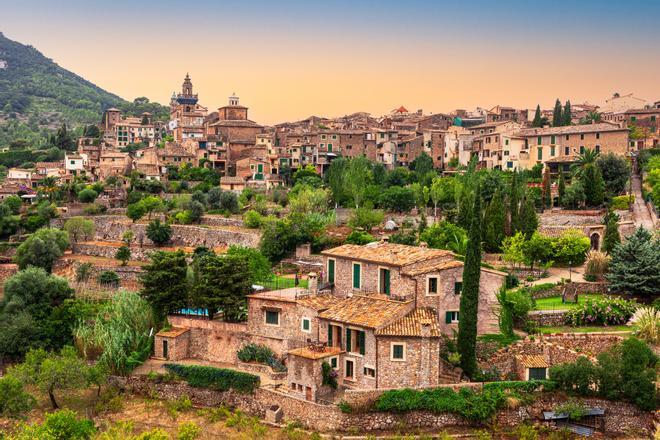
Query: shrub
x: 61, y: 424
x: 329, y: 375
x: 570, y: 248
x: 646, y: 324
x: 220, y: 379
x: 622, y: 202
x: 597, y: 264
x: 577, y: 377
x: 511, y: 281
x: 14, y: 401
x: 359, y: 237
x: 87, y: 195
x: 521, y: 303
x: 260, y: 354
x: 188, y: 431
x: 604, y: 311
x: 95, y: 209
x: 252, y: 219
x: 109, y: 278
x: 365, y: 218
x: 83, y: 272
x: 159, y: 233
x: 574, y: 410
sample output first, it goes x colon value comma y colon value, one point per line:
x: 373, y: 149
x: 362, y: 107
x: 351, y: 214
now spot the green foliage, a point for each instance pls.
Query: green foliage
x: 612, y: 238
x: 615, y: 171
x: 84, y: 272
x: 123, y: 254
x: 512, y: 248
x: 365, y: 218
x: 646, y: 324
x: 260, y: 268
x: 42, y: 248
x: 79, y: 228
x: 537, y: 249
x: 521, y: 303
x: 445, y: 235
x: 58, y: 425
x: 329, y: 376
x: 570, y: 247
x: 158, y: 232
x: 605, y: 311
x: 494, y: 222
x: 278, y: 239
x: 164, y: 283
x: 260, y: 354
x: 557, y: 118
x: 396, y: 198
x: 594, y: 185
x: 14, y: 401
x: 360, y: 238
x: 528, y: 220
x: 574, y: 196
x: 622, y: 202
x: 188, y: 431
x: 635, y: 265
x: 505, y: 313
x: 87, y: 195
x: 135, y: 211
x: 574, y: 410
x: 219, y: 379
x: 252, y: 219
x: 109, y: 278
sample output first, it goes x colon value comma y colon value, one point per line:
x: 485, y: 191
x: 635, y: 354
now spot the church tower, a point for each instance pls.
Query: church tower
x: 187, y: 88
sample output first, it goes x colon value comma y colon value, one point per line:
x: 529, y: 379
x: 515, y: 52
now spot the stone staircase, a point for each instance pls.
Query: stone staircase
x: 449, y: 373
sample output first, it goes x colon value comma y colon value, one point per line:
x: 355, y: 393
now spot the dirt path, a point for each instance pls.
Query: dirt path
x: 640, y: 211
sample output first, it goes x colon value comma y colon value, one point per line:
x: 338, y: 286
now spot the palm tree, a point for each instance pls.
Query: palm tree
x: 49, y: 186
x: 587, y: 157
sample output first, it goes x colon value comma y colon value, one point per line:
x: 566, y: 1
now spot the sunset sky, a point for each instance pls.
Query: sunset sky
x: 290, y: 59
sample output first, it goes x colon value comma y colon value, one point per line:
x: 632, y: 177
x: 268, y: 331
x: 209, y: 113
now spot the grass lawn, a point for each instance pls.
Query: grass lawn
x: 554, y: 302
x: 585, y: 329
x: 283, y: 282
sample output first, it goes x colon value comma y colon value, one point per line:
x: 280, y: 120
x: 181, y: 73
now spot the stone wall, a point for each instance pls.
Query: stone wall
x: 109, y: 250
x: 580, y: 287
x: 544, y: 318
x: 210, y: 340
x: 6, y: 271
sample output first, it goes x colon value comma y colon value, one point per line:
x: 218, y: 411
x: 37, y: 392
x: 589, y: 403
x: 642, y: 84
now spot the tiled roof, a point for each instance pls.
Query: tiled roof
x: 365, y: 311
x: 313, y: 354
x: 232, y: 179
x: 533, y: 361
x: 571, y: 129
x: 318, y: 302
x: 172, y: 332
x: 387, y: 253
x: 412, y: 323
x: 432, y: 266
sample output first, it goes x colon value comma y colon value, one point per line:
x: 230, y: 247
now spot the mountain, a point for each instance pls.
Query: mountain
x: 37, y: 95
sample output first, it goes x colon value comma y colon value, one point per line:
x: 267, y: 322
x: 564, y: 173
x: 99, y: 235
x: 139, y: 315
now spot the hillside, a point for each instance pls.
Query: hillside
x: 37, y: 95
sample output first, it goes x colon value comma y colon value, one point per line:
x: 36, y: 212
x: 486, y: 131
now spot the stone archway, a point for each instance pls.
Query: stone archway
x: 595, y: 241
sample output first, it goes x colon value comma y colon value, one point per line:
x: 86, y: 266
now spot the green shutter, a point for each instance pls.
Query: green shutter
x: 386, y: 281
x: 539, y: 151
x: 447, y: 317
x: 361, y: 341
x: 331, y: 271
x: 348, y: 339
x: 329, y: 335
x: 356, y: 276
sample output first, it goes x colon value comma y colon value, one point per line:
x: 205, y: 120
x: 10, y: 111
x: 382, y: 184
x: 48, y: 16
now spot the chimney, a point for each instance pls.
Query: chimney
x: 313, y: 283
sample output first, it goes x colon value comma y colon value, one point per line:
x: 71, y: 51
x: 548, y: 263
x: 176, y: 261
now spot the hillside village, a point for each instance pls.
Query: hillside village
x: 406, y: 273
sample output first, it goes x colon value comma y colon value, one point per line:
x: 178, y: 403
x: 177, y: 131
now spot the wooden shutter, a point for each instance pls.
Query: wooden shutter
x: 356, y: 276
x: 329, y: 335
x: 386, y: 274
x: 331, y: 271
x: 447, y: 317
x: 348, y: 339
x: 361, y: 341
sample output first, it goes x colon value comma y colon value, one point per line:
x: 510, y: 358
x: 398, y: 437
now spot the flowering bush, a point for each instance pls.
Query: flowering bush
x: 605, y: 311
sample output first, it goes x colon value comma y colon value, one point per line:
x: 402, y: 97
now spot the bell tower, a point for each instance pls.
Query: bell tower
x: 187, y: 88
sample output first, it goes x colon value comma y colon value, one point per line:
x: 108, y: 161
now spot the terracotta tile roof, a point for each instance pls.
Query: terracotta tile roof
x: 571, y: 129
x: 313, y: 354
x: 172, y: 332
x: 318, y: 302
x: 533, y: 361
x: 412, y: 323
x: 365, y: 311
x: 232, y: 179
x: 387, y: 253
x: 432, y: 266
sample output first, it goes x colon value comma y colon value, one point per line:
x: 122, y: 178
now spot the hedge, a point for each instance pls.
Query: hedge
x: 467, y: 403
x: 220, y: 379
x: 260, y: 354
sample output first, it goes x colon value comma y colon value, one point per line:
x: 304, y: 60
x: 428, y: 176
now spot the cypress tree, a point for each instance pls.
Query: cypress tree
x: 567, y: 114
x: 612, y: 237
x: 537, y: 117
x: 529, y: 222
x: 594, y: 185
x: 494, y: 219
x: 467, y: 323
x: 547, y: 192
x: 635, y: 265
x: 557, y: 119
x: 561, y: 187
x: 514, y: 202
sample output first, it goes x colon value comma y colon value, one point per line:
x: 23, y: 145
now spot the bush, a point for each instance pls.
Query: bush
x: 188, y: 431
x: 109, y: 278
x: 87, y: 195
x: 62, y: 424
x: 360, y: 238
x: 14, y: 401
x: 365, y: 218
x: 329, y: 375
x: 605, y: 311
x: 522, y: 302
x: 646, y: 324
x: 252, y: 219
x: 260, y: 354
x: 622, y: 202
x: 159, y: 233
x: 577, y: 377
x: 597, y: 264
x: 95, y: 209
x: 220, y: 379
x: 570, y: 247
x: 511, y: 281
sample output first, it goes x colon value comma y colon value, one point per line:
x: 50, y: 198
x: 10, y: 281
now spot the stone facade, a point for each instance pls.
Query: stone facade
x: 172, y: 344
x: 421, y: 367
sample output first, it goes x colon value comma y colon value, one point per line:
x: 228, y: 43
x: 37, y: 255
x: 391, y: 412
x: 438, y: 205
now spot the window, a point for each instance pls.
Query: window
x: 334, y: 136
x: 334, y: 362
x: 355, y: 341
x: 552, y: 139
x: 539, y: 153
x: 567, y: 150
x: 537, y: 373
x: 567, y: 137
x: 597, y: 148
x: 369, y: 372
x: 334, y: 335
x: 509, y: 164
x: 451, y: 317
x: 293, y: 386
x: 506, y: 142
x: 329, y: 147
x: 432, y: 286
x: 582, y: 137
x: 384, y: 281
x: 538, y: 140
x: 552, y: 150
x: 331, y: 271
x: 398, y: 351
x: 350, y: 367
x: 357, y: 281
x: 597, y: 135
x: 272, y: 317
x: 322, y: 136
x: 306, y: 325
x: 458, y: 287
x: 581, y: 149
x: 506, y: 152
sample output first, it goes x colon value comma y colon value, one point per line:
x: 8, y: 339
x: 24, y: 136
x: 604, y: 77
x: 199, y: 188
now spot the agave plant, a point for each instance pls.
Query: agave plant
x: 646, y: 324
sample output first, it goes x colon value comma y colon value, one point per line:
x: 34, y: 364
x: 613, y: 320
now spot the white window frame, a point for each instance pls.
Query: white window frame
x: 353, y: 377
x: 366, y: 375
x: 302, y: 324
x: 428, y: 284
x: 454, y: 315
x: 279, y: 318
x: 353, y: 275
x: 392, y: 358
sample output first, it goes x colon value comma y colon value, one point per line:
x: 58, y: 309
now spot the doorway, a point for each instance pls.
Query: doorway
x: 165, y: 349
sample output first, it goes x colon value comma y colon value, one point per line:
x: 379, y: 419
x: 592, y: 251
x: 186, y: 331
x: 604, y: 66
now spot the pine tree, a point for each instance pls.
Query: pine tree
x: 547, y: 191
x: 537, y: 122
x: 635, y: 265
x: 594, y: 185
x: 612, y: 238
x: 567, y: 115
x: 467, y: 324
x: 557, y: 119
x: 529, y: 221
x: 561, y: 186
x: 494, y: 219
